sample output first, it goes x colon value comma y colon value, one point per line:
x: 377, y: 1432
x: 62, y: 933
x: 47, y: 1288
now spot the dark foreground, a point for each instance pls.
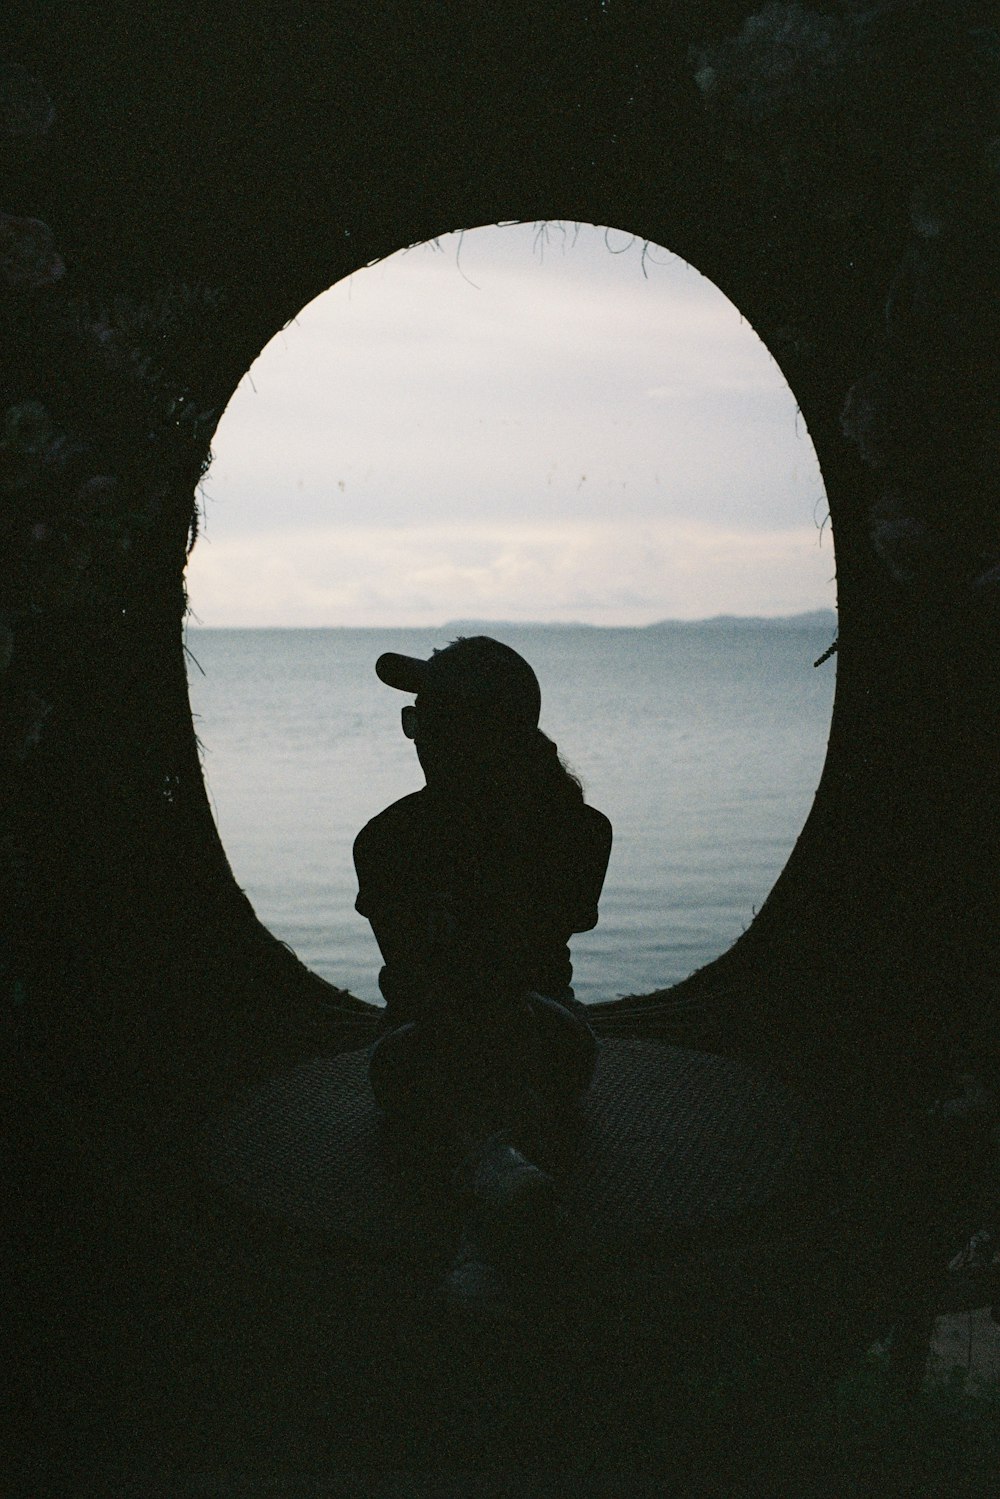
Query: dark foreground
x: 275, y: 1328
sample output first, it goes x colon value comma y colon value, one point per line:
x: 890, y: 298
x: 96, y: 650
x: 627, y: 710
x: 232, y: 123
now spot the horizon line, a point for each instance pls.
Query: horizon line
x: 823, y: 612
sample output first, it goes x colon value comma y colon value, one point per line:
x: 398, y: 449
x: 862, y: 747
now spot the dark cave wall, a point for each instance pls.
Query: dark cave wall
x: 204, y: 178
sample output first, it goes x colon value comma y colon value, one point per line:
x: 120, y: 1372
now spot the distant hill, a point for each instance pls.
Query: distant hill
x: 483, y: 626
x: 812, y: 619
x: 815, y: 619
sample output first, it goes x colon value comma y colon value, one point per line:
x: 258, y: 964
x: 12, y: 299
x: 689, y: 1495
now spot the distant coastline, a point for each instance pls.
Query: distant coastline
x: 811, y: 619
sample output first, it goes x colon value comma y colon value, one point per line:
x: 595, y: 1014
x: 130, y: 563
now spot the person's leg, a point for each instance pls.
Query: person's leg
x: 479, y: 1073
x: 568, y: 1051
x: 503, y: 1073
x: 414, y: 1093
x: 532, y: 1075
x: 466, y: 1096
x: 397, y: 1070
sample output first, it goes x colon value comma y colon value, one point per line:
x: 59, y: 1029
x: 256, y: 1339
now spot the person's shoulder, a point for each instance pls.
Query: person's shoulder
x: 582, y: 837
x: 594, y: 826
x: 599, y: 824
x: 581, y: 866
x: 392, y: 823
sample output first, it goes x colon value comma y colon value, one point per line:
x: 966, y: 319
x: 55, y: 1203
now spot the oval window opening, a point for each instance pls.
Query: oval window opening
x: 569, y: 440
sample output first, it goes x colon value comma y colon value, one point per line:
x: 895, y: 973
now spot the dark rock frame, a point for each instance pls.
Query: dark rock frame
x: 190, y: 188
x: 178, y: 186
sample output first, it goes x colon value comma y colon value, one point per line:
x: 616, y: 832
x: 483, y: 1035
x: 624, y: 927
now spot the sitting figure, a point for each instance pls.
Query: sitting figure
x: 473, y: 887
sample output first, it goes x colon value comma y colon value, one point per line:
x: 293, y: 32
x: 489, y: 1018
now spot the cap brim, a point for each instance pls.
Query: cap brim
x: 403, y: 672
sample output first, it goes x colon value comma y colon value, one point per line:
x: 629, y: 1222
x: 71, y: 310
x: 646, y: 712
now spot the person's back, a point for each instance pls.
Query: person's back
x: 457, y: 895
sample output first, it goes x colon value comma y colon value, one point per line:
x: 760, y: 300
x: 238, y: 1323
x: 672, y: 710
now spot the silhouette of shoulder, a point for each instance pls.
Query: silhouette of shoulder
x: 400, y: 852
x: 388, y: 846
x: 586, y: 851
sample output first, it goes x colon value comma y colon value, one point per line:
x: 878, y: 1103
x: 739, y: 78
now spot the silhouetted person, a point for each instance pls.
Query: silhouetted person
x: 473, y: 887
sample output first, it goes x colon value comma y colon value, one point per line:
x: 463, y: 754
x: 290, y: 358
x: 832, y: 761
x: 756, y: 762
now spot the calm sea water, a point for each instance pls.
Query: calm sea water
x: 703, y: 744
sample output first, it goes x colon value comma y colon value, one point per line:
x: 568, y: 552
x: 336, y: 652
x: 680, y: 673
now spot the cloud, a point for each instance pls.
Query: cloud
x: 568, y: 396
x: 423, y: 575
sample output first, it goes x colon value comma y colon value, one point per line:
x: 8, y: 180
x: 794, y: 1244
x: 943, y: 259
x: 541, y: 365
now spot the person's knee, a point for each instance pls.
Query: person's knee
x: 394, y: 1066
x: 569, y: 1047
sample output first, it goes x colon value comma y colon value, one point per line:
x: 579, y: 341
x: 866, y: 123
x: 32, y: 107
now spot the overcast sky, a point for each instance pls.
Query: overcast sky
x: 519, y: 429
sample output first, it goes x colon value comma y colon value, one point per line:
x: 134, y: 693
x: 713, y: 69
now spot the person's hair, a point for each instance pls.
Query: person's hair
x: 527, y: 799
x: 549, y: 777
x: 523, y: 780
x: 526, y: 808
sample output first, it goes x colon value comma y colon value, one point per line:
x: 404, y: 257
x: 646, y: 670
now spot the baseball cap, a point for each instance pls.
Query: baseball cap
x: 474, y: 674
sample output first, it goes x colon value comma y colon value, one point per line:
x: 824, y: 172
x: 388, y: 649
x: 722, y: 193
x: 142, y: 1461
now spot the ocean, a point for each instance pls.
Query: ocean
x: 703, y: 743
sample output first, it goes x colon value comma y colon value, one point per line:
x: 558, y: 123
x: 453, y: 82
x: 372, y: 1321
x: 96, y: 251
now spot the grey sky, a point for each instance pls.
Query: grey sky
x: 513, y: 428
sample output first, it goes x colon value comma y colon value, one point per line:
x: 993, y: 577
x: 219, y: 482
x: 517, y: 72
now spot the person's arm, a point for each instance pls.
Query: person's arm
x: 393, y: 923
x: 589, y: 868
x: 568, y: 878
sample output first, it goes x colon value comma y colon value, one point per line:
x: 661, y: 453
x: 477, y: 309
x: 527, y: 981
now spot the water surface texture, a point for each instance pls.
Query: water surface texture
x: 703, y: 744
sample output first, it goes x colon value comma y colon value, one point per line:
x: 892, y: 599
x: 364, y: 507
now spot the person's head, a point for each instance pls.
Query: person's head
x: 477, y: 706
